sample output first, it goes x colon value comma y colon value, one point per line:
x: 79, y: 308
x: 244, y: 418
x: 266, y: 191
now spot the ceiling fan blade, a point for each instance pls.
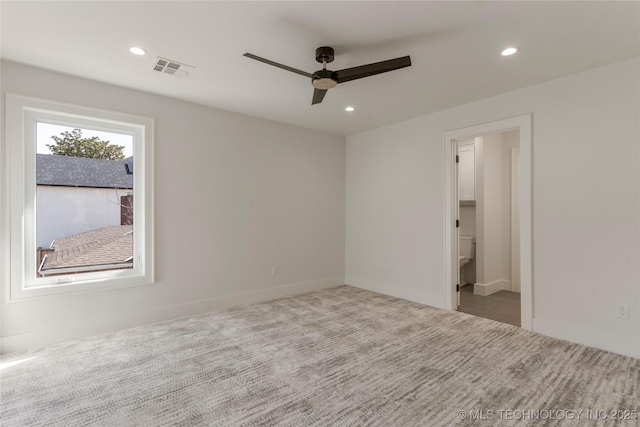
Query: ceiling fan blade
x: 372, y: 69
x: 318, y: 96
x: 275, y: 64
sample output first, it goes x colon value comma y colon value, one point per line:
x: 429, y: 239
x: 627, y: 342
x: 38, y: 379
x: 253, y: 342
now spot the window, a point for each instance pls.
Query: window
x: 80, y: 191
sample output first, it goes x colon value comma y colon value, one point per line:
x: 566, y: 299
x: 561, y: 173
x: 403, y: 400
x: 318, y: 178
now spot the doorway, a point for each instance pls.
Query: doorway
x: 485, y: 238
x: 519, y: 187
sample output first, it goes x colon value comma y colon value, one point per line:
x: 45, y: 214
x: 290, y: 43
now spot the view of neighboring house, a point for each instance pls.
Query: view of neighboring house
x: 84, y: 214
x: 107, y: 248
x: 77, y: 194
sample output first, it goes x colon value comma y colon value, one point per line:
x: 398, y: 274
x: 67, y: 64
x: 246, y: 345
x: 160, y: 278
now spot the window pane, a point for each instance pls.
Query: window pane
x: 84, y: 200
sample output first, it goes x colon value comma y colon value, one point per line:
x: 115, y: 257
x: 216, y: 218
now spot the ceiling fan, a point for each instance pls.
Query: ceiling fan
x: 323, y: 80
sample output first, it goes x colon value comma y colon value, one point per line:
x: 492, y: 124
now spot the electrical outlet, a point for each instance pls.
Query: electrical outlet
x: 274, y: 271
x: 623, y: 311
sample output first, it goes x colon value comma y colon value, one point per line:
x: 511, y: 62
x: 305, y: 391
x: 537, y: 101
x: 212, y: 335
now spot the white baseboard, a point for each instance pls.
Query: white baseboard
x: 627, y: 346
x: 485, y: 289
x: 397, y: 291
x: 39, y: 338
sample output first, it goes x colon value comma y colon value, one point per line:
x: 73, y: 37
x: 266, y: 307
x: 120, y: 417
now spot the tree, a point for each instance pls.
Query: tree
x: 73, y: 144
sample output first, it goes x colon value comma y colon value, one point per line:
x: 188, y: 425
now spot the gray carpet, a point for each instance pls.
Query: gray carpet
x: 337, y: 357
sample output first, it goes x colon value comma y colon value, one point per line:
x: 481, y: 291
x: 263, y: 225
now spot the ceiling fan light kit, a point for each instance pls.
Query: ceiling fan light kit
x: 323, y: 80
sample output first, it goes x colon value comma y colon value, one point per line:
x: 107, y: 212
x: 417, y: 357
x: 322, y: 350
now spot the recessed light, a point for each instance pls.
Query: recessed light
x: 137, y: 50
x: 349, y: 109
x: 509, y: 51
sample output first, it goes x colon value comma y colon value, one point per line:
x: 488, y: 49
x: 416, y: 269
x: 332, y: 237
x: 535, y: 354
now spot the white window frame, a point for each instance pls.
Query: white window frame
x: 22, y: 115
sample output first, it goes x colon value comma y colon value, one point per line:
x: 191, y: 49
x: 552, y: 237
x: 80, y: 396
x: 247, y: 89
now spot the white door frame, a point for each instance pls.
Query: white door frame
x: 523, y: 123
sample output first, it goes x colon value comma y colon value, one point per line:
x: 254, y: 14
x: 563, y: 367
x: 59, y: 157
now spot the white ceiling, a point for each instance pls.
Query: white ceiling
x: 454, y: 46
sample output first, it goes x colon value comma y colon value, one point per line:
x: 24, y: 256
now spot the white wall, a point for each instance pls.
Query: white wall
x: 64, y: 211
x: 510, y: 139
x: 468, y: 221
x: 586, y: 203
x: 234, y: 196
x: 489, y: 247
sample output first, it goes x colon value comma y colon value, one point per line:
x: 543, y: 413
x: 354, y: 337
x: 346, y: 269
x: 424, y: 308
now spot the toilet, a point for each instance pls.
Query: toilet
x: 466, y: 249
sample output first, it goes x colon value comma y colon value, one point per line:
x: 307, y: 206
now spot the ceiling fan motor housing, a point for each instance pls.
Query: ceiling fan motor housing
x: 324, y: 79
x: 324, y: 54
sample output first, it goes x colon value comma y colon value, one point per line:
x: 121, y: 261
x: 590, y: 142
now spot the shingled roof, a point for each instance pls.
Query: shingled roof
x: 68, y: 171
x: 100, y: 249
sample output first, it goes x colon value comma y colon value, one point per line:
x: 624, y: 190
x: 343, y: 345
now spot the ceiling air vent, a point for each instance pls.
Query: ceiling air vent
x: 173, y: 68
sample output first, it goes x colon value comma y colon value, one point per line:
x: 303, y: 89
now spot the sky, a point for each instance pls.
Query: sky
x: 46, y: 131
